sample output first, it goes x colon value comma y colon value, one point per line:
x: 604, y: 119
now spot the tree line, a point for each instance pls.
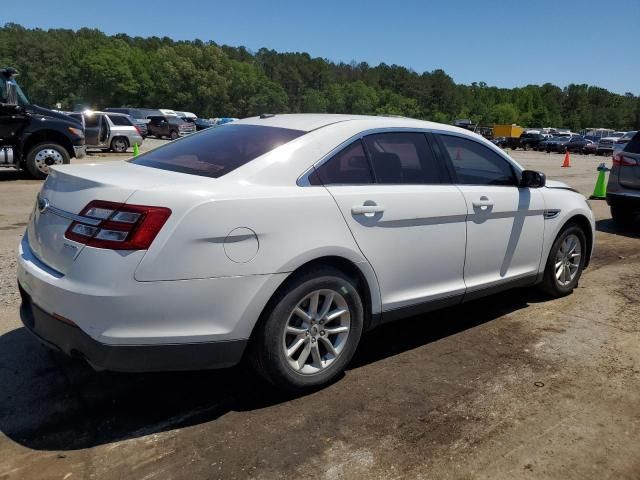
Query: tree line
x: 88, y: 67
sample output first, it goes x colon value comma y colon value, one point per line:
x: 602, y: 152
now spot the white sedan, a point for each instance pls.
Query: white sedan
x: 282, y: 238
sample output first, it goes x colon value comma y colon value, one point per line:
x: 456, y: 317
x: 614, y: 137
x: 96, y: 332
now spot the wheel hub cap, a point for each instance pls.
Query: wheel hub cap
x: 567, y: 261
x: 316, y: 331
x: 47, y: 157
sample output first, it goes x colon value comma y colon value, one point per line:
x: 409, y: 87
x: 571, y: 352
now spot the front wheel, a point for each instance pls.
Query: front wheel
x: 173, y: 135
x: 310, y: 332
x: 43, y: 156
x: 566, y: 262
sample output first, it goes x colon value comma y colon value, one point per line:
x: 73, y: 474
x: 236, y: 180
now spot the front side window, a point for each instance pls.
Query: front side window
x: 476, y: 164
x: 217, y: 151
x: 347, y: 167
x: 402, y: 158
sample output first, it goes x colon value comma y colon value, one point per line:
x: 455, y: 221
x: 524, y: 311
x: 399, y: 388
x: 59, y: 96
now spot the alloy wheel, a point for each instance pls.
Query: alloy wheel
x: 316, y: 331
x: 567, y: 262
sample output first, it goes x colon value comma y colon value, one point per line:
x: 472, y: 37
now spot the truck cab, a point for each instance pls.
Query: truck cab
x: 33, y: 138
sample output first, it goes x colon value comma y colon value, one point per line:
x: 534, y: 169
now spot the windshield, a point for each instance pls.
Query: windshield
x: 22, y: 98
x: 217, y: 151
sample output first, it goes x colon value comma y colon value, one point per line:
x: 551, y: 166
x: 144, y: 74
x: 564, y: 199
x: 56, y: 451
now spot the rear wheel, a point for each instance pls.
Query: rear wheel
x: 45, y: 155
x: 119, y: 145
x: 310, y: 332
x: 566, y: 262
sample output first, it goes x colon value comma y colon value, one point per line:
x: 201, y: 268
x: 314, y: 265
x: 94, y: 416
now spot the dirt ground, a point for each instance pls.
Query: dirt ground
x: 511, y: 386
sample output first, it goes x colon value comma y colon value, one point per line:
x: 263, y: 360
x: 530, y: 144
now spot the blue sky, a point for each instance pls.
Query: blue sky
x: 502, y: 43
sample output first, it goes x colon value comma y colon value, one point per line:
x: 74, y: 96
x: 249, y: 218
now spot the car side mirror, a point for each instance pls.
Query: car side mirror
x: 533, y: 179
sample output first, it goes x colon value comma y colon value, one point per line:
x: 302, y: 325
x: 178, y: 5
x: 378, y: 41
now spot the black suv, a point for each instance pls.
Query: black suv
x: 623, y: 189
x: 169, y: 126
x: 530, y: 140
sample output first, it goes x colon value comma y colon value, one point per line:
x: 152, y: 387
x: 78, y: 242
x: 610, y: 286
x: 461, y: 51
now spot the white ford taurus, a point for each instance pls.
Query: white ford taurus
x: 283, y: 238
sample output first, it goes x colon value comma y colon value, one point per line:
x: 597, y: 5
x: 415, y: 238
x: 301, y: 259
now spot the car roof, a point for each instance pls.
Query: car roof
x: 312, y: 121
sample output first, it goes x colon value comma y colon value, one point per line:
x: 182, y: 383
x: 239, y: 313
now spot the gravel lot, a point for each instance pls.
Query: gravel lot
x: 511, y: 386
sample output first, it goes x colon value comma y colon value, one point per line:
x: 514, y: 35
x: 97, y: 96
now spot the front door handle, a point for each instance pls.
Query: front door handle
x: 483, y: 202
x: 368, y: 210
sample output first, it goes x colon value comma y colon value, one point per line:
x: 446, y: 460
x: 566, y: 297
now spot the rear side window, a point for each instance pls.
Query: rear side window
x: 633, y: 146
x: 120, y: 120
x: 348, y: 167
x: 217, y: 151
x: 402, y: 158
x: 476, y: 164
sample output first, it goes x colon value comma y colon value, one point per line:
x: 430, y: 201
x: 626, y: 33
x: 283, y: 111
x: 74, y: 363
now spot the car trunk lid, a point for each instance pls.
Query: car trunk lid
x: 69, y: 189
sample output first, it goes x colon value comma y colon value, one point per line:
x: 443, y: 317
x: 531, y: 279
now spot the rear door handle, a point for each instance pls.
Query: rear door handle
x: 483, y: 202
x: 368, y: 210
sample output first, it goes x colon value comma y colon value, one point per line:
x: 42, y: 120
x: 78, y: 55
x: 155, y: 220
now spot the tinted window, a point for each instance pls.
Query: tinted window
x: 476, y: 164
x: 402, y: 157
x: 217, y: 151
x: 91, y: 121
x: 633, y: 146
x: 349, y: 166
x: 119, y: 120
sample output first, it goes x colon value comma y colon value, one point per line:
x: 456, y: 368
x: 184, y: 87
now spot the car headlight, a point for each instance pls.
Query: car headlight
x: 76, y: 131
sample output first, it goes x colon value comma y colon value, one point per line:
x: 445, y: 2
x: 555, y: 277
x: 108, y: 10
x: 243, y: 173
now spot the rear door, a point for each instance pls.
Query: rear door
x: 91, y: 130
x: 405, y: 215
x: 505, y: 223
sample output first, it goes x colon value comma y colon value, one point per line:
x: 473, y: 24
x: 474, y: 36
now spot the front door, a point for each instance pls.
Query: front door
x: 405, y: 215
x: 505, y: 223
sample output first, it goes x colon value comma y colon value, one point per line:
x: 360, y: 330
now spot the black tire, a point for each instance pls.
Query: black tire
x: 173, y: 135
x: 550, y: 284
x: 266, y: 352
x: 622, y: 216
x: 34, y: 161
x: 119, y: 144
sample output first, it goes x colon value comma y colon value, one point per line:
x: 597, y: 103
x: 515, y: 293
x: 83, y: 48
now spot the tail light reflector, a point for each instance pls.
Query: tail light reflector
x: 138, y: 130
x: 621, y: 160
x: 120, y: 226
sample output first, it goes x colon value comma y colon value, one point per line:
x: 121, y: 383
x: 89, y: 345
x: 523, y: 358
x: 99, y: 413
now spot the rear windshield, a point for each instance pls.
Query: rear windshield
x: 217, y: 151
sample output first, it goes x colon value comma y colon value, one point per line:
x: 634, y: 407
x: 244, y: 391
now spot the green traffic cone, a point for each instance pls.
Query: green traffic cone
x: 600, y: 190
x: 136, y: 150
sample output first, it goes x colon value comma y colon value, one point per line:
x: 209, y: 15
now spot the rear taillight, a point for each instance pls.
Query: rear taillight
x: 117, y: 226
x: 138, y: 130
x: 621, y: 160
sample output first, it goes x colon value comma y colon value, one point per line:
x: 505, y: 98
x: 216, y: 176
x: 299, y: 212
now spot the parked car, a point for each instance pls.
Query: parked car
x: 198, y: 253
x: 169, y: 126
x: 551, y: 144
x: 108, y: 130
x: 138, y: 115
x: 202, y: 123
x: 574, y: 144
x: 605, y: 144
x: 591, y: 147
x: 186, y: 115
x: 623, y: 188
x: 622, y: 141
x: 530, y: 140
x: 500, y: 142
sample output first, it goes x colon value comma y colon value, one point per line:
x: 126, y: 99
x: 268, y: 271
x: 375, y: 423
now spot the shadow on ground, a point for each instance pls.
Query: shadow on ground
x: 50, y: 402
x: 609, y: 226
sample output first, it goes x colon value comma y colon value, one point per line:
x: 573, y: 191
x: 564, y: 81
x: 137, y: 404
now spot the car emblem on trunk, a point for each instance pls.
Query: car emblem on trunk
x: 43, y: 204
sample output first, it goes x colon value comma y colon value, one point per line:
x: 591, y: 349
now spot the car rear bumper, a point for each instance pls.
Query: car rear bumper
x: 61, y: 335
x: 625, y: 200
x: 118, y: 323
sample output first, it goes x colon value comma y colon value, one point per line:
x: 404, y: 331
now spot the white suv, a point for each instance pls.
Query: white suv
x: 283, y: 238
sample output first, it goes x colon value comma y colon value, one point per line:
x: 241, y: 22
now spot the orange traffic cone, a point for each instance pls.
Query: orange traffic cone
x: 567, y: 160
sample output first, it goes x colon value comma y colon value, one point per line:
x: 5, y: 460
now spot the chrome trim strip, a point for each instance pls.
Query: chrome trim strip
x: 72, y: 216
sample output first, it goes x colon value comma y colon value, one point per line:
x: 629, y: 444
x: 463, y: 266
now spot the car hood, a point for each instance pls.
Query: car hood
x: 559, y: 185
